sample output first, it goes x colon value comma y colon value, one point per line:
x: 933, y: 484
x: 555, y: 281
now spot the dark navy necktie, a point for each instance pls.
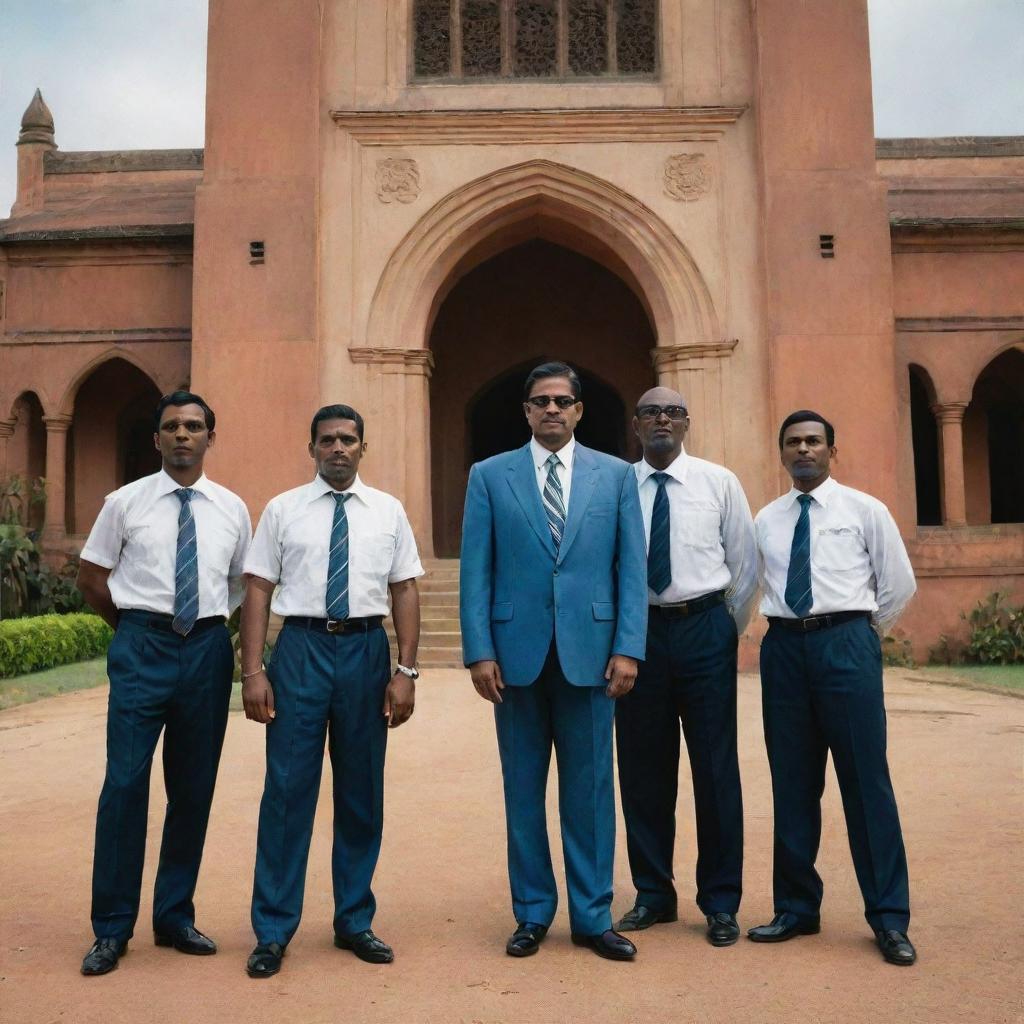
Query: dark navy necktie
x: 659, y: 552
x: 554, y: 504
x: 798, y: 579
x: 186, y: 567
x: 337, y: 564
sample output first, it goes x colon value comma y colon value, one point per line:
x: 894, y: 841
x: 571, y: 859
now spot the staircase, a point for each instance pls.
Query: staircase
x: 440, y: 637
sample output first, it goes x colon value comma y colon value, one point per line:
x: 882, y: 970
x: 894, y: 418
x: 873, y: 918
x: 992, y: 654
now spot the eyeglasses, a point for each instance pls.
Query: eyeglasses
x: 652, y: 412
x: 543, y: 401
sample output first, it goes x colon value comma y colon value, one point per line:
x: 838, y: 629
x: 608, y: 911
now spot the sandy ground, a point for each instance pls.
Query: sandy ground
x: 956, y: 758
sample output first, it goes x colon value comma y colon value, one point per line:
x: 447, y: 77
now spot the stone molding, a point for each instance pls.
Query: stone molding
x: 950, y: 412
x: 7, y: 428
x: 950, y: 146
x: 481, y: 127
x: 674, y: 357
x: 112, y: 335
x: 397, y: 178
x: 59, y: 423
x: 99, y: 161
x: 945, y: 324
x: 412, y: 361
x: 686, y: 177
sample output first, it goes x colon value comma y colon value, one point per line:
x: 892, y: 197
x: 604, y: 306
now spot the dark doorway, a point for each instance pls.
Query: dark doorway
x: 527, y: 304
x: 491, y: 429
x: 926, y: 451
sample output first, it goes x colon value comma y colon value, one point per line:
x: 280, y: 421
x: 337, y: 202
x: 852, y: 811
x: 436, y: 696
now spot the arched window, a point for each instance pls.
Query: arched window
x: 926, y: 449
x: 994, y: 441
x: 474, y: 40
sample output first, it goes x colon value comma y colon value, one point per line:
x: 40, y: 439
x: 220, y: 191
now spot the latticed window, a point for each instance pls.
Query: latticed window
x: 470, y: 40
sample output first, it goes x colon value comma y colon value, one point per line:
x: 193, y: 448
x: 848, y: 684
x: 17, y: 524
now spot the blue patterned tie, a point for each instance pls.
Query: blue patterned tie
x: 659, y: 552
x: 186, y: 567
x: 798, y: 579
x: 337, y: 565
x: 554, y: 504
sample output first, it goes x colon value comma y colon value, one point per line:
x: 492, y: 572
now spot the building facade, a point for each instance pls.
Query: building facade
x: 403, y: 205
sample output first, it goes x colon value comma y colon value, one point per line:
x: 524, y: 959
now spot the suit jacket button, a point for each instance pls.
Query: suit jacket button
x: 556, y: 572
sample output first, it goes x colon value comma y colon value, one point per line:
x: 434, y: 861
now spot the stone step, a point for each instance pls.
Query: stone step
x: 445, y: 623
x: 441, y: 657
x: 429, y: 586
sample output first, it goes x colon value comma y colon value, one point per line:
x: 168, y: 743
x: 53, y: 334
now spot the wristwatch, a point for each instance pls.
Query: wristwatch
x: 412, y: 673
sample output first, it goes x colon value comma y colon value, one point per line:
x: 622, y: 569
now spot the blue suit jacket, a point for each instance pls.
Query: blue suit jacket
x: 516, y: 590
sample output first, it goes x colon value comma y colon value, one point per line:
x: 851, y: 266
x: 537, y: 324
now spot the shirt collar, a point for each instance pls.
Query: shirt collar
x: 166, y: 484
x: 319, y: 487
x: 822, y: 494
x: 677, y: 469
x: 541, y: 454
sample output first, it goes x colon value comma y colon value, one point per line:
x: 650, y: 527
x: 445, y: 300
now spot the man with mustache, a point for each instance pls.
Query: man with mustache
x: 701, y: 579
x: 835, y: 574
x: 163, y: 566
x: 554, y: 614
x: 333, y: 549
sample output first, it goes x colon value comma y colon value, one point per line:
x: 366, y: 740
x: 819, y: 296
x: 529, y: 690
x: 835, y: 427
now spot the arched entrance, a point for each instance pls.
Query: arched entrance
x: 535, y: 301
x: 110, y: 442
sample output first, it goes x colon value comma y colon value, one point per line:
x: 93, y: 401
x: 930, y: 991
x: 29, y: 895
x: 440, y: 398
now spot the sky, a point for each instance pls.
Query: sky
x: 130, y: 74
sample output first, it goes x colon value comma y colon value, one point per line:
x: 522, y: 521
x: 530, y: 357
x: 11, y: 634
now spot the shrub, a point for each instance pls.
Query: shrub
x: 46, y: 641
x: 897, y: 652
x: 997, y: 633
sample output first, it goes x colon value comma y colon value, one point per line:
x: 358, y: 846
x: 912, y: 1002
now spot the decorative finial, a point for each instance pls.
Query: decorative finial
x: 36, y: 122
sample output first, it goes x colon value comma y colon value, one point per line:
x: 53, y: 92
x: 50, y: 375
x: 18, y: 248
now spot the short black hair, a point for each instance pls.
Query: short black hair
x: 546, y: 370
x: 336, y: 412
x: 179, y: 398
x: 808, y: 416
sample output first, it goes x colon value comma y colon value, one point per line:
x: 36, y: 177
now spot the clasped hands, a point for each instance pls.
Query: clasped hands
x: 620, y: 673
x: 258, y: 699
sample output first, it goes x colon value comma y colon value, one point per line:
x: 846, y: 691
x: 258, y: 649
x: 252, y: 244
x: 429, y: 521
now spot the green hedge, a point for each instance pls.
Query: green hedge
x: 46, y: 641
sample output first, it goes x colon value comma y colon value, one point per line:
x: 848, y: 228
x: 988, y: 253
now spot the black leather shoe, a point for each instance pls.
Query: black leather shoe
x: 784, y: 926
x: 103, y: 956
x: 526, y: 939
x: 896, y: 947
x: 265, y: 961
x: 611, y: 945
x: 366, y: 946
x: 187, y: 940
x: 639, y: 918
x: 722, y: 929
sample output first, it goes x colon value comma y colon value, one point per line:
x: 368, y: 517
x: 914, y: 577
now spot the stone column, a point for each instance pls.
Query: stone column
x: 54, y: 527
x: 397, y: 418
x: 700, y: 374
x: 6, y: 432
x: 950, y: 418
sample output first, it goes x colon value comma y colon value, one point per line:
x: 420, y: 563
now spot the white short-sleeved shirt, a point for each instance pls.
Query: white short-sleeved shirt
x: 711, y: 533
x: 136, y: 537
x: 563, y: 469
x: 293, y: 540
x: 858, y: 560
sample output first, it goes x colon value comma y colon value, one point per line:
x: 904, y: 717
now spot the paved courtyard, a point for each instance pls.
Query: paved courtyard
x: 956, y: 758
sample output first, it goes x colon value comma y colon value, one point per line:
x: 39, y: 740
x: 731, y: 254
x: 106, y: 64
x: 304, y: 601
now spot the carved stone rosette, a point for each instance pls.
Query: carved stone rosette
x: 687, y: 176
x: 398, y: 179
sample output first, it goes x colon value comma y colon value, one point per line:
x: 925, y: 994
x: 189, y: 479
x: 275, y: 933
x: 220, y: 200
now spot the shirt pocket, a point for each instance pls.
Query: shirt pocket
x: 699, y: 526
x: 377, y: 554
x: 840, y: 549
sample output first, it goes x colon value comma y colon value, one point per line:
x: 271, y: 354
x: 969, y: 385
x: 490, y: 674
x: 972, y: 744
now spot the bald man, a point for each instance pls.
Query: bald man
x: 701, y: 578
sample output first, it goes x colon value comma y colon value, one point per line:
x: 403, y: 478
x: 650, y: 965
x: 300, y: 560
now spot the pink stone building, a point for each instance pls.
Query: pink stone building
x: 403, y: 204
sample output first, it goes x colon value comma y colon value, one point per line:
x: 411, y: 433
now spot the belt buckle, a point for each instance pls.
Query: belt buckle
x: 810, y: 624
x: 335, y: 625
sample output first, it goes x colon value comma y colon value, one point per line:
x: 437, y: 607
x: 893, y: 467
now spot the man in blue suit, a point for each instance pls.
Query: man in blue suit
x: 554, y: 619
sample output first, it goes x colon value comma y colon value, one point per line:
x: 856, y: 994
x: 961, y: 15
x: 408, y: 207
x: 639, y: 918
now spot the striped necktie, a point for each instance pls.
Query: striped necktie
x: 186, y: 567
x: 798, y: 578
x: 554, y: 505
x: 659, y: 553
x: 337, y: 565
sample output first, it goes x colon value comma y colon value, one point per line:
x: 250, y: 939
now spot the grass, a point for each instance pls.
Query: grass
x: 995, y: 677
x: 52, y: 682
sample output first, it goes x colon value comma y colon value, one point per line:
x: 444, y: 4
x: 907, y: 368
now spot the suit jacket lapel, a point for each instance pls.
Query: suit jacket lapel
x: 522, y: 478
x: 584, y: 480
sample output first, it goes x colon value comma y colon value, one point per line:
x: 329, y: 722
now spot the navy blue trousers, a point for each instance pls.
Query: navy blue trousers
x: 577, y: 722
x: 159, y: 681
x: 324, y: 685
x: 821, y: 692
x: 688, y: 677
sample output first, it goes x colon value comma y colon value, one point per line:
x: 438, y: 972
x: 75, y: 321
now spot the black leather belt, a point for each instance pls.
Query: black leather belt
x: 335, y: 626
x: 685, y: 608
x: 814, y: 622
x: 164, y: 623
